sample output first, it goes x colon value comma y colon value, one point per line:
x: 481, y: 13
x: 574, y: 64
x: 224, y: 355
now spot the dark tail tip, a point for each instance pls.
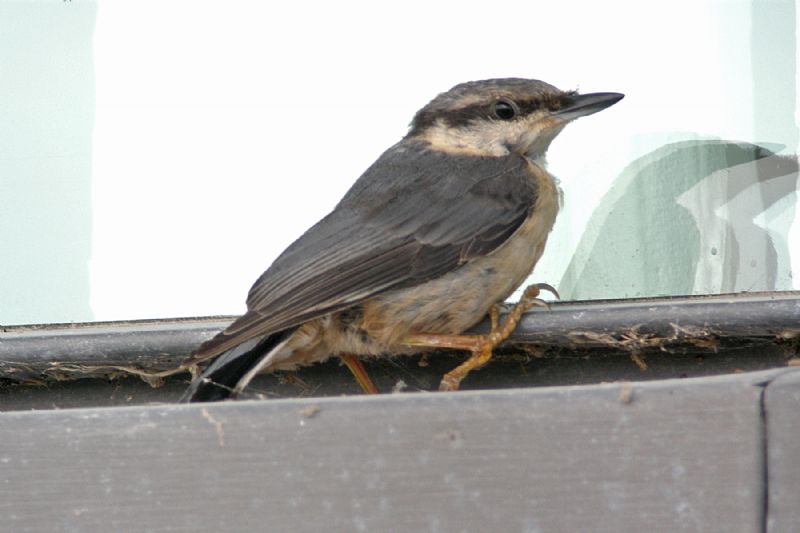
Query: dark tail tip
x: 218, y: 381
x: 206, y: 390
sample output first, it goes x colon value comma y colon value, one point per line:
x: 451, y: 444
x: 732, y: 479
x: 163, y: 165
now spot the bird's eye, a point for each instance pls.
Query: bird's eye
x: 505, y: 110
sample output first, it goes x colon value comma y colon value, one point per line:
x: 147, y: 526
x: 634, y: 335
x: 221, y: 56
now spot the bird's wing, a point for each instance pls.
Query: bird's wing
x: 415, y: 215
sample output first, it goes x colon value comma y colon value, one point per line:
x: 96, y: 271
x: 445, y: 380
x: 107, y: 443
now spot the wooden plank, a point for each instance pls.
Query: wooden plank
x: 678, y: 455
x: 782, y: 408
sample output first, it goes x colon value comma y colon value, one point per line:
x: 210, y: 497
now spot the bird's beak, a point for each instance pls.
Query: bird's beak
x: 587, y: 104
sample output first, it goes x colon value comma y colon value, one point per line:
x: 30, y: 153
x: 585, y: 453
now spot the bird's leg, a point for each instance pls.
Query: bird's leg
x: 360, y: 373
x: 481, y: 346
x: 494, y: 316
x: 497, y: 335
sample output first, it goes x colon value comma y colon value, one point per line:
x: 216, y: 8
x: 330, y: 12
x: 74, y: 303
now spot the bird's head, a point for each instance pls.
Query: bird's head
x: 502, y: 116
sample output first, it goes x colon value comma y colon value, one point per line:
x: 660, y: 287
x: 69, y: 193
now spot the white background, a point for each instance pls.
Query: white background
x: 224, y: 129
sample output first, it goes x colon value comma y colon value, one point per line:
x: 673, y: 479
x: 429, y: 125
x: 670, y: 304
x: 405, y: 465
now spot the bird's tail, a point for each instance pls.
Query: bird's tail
x: 221, y: 379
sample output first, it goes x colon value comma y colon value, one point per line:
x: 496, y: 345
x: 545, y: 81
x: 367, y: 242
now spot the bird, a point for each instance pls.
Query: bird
x: 439, y: 230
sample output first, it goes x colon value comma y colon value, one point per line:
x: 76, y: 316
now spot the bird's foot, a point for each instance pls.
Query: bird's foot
x: 482, y: 346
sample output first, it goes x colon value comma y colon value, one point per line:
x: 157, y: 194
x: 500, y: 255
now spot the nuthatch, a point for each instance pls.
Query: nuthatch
x: 443, y: 226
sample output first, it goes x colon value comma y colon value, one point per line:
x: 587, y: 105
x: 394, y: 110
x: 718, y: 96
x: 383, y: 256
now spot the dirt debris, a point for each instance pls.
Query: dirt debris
x: 218, y: 426
x: 625, y: 392
x: 310, y: 411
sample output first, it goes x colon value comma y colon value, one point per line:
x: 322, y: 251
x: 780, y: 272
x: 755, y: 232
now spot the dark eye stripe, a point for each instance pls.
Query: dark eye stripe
x: 463, y: 116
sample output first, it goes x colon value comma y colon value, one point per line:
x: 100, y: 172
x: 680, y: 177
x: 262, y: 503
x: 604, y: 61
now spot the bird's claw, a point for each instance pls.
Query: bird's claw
x: 530, y: 297
x: 534, y: 290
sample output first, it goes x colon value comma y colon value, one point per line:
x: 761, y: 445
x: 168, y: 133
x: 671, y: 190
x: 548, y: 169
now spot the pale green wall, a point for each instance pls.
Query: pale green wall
x: 666, y: 221
x: 46, y: 120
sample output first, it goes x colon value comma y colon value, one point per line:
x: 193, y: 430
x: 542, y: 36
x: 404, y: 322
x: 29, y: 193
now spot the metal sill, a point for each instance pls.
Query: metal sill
x: 571, y: 343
